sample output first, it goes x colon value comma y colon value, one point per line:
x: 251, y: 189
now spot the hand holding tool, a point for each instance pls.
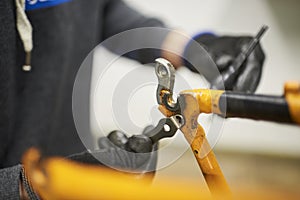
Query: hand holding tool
x: 230, y: 75
x: 238, y: 60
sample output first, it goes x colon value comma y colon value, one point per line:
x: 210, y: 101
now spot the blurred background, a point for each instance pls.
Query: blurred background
x: 252, y: 153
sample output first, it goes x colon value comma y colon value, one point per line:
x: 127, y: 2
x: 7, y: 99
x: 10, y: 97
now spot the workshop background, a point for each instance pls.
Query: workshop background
x: 252, y: 153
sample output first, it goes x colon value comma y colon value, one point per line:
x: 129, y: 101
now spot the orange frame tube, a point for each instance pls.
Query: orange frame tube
x: 195, y: 135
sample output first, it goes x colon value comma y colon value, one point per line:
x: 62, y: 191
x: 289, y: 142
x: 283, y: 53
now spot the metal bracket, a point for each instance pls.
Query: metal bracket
x: 165, y: 73
x: 166, y: 127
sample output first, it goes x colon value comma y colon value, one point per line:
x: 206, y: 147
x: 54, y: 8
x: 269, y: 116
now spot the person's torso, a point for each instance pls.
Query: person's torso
x: 38, y: 104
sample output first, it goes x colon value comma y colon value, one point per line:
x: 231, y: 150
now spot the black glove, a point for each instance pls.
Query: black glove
x: 117, y: 151
x: 223, y: 50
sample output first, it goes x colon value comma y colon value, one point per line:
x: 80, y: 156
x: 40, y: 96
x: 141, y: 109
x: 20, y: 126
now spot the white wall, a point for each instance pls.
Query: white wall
x: 282, y: 47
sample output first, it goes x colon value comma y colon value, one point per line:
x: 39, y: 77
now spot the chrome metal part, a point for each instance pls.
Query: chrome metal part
x: 177, y: 120
x: 166, y: 127
x: 165, y: 73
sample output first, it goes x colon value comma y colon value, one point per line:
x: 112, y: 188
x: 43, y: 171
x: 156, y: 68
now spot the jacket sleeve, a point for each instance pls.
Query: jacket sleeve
x: 119, y: 17
x: 9, y: 182
x: 10, y: 179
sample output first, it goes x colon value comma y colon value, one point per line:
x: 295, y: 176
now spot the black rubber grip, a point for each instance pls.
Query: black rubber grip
x: 260, y: 107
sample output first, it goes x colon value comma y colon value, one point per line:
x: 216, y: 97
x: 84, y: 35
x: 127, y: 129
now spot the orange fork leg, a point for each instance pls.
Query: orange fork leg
x: 195, y: 135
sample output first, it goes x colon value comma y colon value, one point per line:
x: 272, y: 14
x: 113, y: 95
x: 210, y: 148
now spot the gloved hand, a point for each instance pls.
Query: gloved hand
x: 117, y: 151
x: 223, y: 50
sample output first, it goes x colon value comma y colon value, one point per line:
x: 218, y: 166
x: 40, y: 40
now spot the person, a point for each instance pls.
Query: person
x: 38, y: 69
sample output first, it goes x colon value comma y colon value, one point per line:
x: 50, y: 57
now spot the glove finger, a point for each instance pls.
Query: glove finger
x: 140, y: 144
x: 149, y: 167
x: 220, y: 84
x: 148, y: 129
x: 223, y: 61
x: 118, y: 138
x: 249, y: 78
x: 146, y: 155
x: 145, y: 162
x: 115, y: 157
x: 105, y: 143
